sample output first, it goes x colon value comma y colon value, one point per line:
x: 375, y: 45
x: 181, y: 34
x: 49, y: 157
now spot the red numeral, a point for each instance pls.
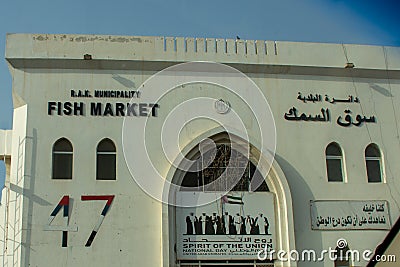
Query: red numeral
x: 64, y: 203
x: 103, y: 214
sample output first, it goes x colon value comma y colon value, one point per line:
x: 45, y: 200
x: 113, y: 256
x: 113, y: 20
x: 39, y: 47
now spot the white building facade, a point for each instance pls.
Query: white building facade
x: 96, y: 119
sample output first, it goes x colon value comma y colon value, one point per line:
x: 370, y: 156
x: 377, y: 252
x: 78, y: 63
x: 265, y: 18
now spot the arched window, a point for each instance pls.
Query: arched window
x: 240, y: 165
x: 373, y: 163
x: 106, y: 160
x: 334, y: 163
x: 62, y: 159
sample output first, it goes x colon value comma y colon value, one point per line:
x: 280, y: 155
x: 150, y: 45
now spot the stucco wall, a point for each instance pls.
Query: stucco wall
x: 46, y: 68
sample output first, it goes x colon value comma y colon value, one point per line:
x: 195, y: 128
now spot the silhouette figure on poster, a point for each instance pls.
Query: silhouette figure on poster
x: 220, y: 229
x: 209, y: 226
x: 198, y: 225
x: 238, y: 222
x: 214, y: 221
x: 248, y: 224
x: 227, y: 224
x: 189, y: 226
x: 254, y: 228
x: 203, y: 225
x: 260, y: 224
x: 232, y: 228
x: 243, y: 225
x: 266, y: 225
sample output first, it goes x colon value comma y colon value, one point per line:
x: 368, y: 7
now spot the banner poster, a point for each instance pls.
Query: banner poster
x: 350, y: 215
x: 236, y: 226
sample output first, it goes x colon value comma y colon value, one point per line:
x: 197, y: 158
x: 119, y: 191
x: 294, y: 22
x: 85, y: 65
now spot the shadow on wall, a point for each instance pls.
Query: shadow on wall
x: 301, y: 196
x: 381, y: 90
x: 124, y: 81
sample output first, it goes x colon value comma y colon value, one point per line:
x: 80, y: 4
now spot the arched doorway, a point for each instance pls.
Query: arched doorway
x: 275, y: 229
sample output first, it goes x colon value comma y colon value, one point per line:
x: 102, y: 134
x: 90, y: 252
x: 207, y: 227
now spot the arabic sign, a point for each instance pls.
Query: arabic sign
x: 318, y: 98
x: 292, y: 115
x: 345, y: 120
x: 350, y: 215
x: 236, y: 227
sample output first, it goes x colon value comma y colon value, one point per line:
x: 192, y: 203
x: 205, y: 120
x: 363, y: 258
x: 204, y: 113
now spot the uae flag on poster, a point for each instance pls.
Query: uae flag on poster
x: 228, y: 199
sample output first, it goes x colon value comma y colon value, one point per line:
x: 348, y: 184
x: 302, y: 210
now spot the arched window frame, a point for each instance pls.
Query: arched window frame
x: 330, y: 159
x: 373, y: 159
x: 61, y: 157
x: 110, y: 156
x: 179, y: 178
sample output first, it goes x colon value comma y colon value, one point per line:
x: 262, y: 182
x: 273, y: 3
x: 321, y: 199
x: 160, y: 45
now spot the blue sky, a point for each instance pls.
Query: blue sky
x: 335, y: 21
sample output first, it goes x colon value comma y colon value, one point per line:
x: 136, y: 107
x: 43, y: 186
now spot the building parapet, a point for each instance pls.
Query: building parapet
x: 155, y: 53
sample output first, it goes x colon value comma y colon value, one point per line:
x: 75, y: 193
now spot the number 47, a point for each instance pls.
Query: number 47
x: 65, y: 228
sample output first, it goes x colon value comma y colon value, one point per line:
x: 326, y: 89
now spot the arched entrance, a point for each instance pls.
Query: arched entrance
x: 183, y: 227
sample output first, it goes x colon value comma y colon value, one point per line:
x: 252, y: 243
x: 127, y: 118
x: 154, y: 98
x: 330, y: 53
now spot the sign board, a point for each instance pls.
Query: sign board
x: 236, y: 226
x: 350, y: 215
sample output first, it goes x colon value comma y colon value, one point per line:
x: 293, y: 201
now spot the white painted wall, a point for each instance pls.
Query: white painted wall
x: 46, y: 67
x: 5, y: 142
